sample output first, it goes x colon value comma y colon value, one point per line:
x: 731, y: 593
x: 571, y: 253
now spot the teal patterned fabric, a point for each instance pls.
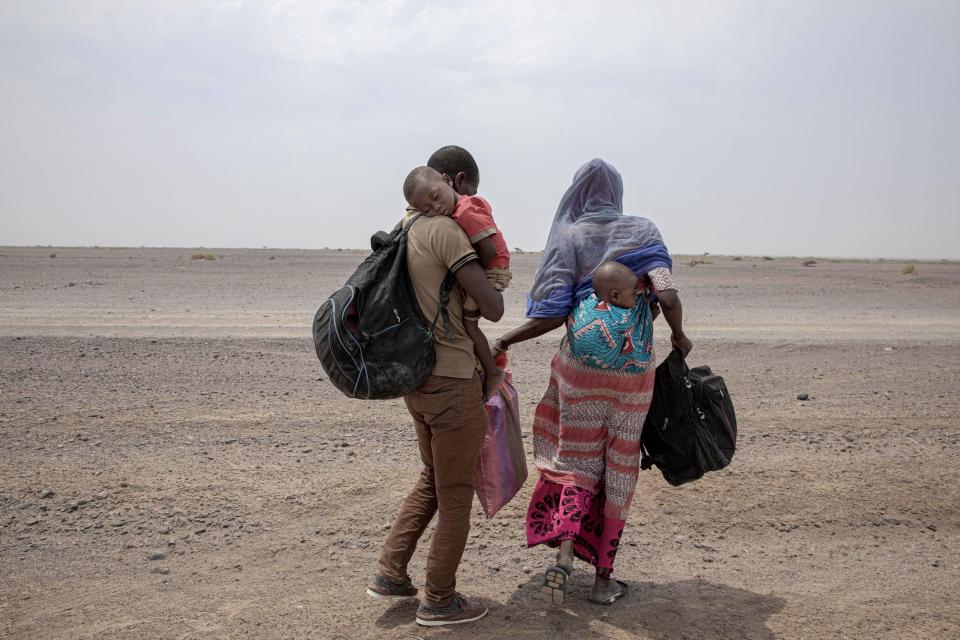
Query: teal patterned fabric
x: 604, y: 336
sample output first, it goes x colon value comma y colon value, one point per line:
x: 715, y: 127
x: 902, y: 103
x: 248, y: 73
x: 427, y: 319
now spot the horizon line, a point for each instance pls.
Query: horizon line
x: 515, y: 249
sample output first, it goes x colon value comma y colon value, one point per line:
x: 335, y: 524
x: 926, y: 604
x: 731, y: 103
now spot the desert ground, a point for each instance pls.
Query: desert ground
x: 173, y: 463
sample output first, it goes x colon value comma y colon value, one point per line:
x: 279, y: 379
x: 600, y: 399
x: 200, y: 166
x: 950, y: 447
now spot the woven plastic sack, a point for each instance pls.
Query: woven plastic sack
x: 502, y: 466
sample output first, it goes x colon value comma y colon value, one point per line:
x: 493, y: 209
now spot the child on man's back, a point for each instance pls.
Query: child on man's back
x: 429, y: 192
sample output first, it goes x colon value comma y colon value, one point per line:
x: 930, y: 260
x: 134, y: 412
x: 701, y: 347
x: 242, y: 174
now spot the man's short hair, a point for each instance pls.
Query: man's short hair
x: 452, y: 160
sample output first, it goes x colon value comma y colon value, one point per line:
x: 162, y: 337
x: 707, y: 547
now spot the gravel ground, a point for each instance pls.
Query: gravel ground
x: 174, y: 465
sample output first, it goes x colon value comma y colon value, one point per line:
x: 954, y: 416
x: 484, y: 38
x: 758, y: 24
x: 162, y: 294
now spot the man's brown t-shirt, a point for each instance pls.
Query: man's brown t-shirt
x: 434, y: 246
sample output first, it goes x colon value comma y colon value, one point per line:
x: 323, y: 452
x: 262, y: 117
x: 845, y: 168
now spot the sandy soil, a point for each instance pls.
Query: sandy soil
x: 173, y: 465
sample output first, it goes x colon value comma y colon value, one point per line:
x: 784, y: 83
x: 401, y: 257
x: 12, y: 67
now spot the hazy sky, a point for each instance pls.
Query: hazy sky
x: 790, y: 128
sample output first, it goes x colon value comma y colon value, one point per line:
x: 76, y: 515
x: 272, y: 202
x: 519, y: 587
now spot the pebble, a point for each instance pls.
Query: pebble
x: 171, y: 542
x: 101, y: 495
x: 46, y: 493
x: 33, y: 521
x: 156, y: 555
x: 164, y: 530
x: 803, y: 396
x: 124, y: 484
x: 161, y: 570
x: 527, y: 570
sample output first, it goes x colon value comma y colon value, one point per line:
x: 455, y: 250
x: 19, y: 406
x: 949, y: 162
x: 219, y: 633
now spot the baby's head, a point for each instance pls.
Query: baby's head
x: 428, y: 191
x: 616, y: 284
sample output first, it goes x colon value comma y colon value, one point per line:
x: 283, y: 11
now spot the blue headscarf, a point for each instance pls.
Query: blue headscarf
x: 588, y: 230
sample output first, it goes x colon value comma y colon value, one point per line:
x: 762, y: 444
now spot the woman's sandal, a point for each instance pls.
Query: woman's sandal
x: 555, y: 584
x: 624, y: 590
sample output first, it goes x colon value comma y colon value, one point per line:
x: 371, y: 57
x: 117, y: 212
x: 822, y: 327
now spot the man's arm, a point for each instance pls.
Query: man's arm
x: 475, y: 283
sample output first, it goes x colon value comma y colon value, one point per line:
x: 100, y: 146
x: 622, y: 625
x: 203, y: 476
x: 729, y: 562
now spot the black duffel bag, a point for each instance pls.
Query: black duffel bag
x: 691, y: 427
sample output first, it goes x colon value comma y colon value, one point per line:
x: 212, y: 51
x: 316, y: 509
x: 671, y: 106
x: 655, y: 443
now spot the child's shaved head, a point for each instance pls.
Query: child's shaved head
x: 616, y: 284
x: 429, y: 192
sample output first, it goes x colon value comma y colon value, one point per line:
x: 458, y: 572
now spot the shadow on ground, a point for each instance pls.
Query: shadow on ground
x: 688, y: 609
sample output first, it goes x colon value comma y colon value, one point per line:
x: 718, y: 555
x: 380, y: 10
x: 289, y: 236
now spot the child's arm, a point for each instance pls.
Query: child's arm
x: 486, y: 250
x: 493, y: 376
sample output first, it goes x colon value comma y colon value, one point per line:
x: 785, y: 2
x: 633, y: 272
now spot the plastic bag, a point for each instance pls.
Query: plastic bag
x: 502, y: 466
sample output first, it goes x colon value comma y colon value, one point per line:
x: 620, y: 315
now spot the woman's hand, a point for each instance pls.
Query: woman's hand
x: 682, y: 343
x: 496, y: 347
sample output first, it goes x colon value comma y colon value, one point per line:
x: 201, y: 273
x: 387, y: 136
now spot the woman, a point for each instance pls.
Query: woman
x: 586, y: 430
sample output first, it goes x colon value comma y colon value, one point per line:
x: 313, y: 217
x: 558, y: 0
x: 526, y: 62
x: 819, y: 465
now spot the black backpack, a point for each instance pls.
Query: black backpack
x: 691, y: 427
x: 370, y: 334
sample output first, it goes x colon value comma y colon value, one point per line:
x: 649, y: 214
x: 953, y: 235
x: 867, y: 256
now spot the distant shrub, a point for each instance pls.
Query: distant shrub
x: 909, y: 270
x: 809, y: 263
x: 517, y: 250
x: 767, y: 258
x: 737, y: 258
x: 694, y: 263
x: 203, y: 256
x: 53, y: 255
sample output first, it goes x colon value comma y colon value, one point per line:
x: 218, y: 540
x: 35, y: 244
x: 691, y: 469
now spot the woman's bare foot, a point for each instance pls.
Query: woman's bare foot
x: 491, y: 382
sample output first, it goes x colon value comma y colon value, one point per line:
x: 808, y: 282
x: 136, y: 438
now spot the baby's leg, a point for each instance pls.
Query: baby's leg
x: 492, y: 374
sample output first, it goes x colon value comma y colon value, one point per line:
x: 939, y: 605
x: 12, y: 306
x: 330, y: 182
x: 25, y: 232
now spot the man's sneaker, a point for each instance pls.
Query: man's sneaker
x: 459, y: 611
x: 381, y: 587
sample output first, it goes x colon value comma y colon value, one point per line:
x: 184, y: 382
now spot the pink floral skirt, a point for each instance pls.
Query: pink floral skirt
x: 560, y: 512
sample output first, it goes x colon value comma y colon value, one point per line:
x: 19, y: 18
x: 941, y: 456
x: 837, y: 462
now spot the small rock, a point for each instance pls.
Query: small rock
x: 46, y: 493
x: 171, y: 542
x: 803, y: 396
x: 156, y: 555
x: 101, y: 495
x: 527, y: 570
x: 932, y: 527
x: 33, y: 521
x: 124, y: 484
x: 307, y: 450
x: 164, y: 530
x: 161, y: 570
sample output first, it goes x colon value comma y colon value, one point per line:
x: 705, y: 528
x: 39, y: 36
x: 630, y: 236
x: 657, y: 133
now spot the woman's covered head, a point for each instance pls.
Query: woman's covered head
x: 597, y: 188
x: 429, y: 192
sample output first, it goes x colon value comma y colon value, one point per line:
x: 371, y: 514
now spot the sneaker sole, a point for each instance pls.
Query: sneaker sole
x: 381, y: 596
x: 441, y: 623
x: 555, y: 586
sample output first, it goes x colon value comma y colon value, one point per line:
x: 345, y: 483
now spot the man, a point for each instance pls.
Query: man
x: 447, y: 411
